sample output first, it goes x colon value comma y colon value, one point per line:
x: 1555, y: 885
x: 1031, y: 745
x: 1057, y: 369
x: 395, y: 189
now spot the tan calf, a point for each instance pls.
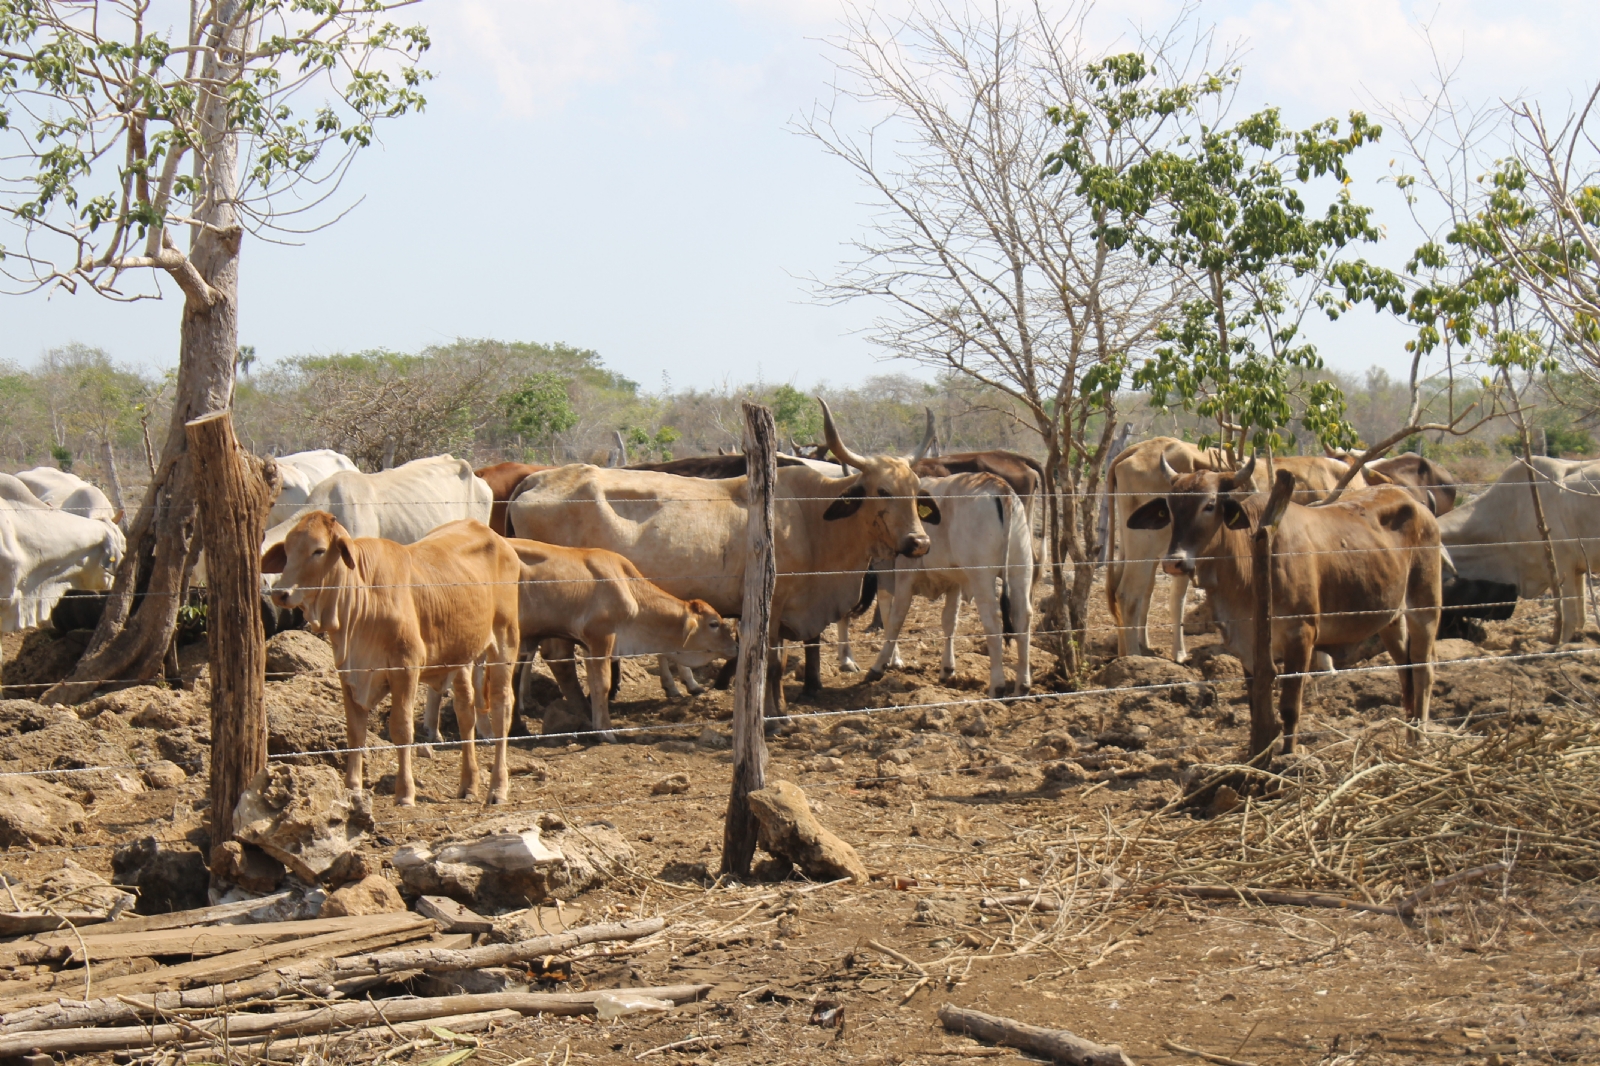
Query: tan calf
x: 599, y: 599
x: 400, y: 614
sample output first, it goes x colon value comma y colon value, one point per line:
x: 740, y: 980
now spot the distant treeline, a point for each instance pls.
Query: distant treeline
x: 488, y: 400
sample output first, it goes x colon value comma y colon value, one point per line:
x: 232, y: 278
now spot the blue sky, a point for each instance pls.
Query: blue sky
x: 617, y: 174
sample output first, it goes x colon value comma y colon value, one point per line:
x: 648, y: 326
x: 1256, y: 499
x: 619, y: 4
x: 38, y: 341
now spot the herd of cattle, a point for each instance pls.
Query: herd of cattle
x: 437, y: 575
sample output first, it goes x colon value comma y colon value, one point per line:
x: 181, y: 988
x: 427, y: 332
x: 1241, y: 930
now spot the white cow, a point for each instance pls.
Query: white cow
x: 982, y: 536
x: 1495, y: 538
x: 302, y: 472
x: 44, y: 552
x: 68, y: 492
x: 403, y: 505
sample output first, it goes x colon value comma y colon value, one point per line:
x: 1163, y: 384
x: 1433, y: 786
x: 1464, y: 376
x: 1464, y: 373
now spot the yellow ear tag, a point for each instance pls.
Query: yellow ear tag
x: 924, y: 511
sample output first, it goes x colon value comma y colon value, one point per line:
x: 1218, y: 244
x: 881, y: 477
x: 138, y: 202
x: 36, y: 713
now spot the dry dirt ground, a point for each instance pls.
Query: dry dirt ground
x: 1505, y: 973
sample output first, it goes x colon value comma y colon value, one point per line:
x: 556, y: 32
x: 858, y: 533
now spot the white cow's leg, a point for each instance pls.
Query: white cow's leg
x: 847, y: 661
x: 430, y: 721
x: 686, y: 673
x: 1180, y: 597
x: 1572, y: 604
x: 355, y: 734
x: 669, y: 684
x: 1022, y: 628
x: 894, y: 618
x: 463, y: 698
x: 598, y: 662
x: 1135, y: 586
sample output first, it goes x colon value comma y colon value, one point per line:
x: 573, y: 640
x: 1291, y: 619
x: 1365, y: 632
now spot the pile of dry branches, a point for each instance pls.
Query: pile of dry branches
x: 1384, y: 811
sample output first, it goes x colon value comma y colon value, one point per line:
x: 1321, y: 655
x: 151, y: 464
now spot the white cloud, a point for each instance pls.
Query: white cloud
x: 539, y: 53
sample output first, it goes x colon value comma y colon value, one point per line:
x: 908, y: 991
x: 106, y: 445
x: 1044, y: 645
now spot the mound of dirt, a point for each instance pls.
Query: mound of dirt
x: 296, y: 652
x: 305, y: 713
x: 1142, y: 670
x: 41, y: 661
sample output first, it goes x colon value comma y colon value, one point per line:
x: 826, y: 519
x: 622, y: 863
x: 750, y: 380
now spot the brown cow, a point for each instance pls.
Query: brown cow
x: 1428, y: 482
x: 398, y: 614
x: 503, y: 479
x: 1341, y: 573
x: 599, y: 599
x: 1135, y: 479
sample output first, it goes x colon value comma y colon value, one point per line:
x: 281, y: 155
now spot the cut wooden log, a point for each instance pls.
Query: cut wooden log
x: 320, y: 973
x: 321, y: 1020
x: 107, y: 942
x: 1057, y: 1045
x: 452, y: 916
x: 297, y: 1046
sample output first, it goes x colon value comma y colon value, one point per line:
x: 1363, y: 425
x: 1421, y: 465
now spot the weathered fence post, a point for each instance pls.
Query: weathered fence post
x: 750, y: 687
x: 1263, y: 715
x: 235, y: 491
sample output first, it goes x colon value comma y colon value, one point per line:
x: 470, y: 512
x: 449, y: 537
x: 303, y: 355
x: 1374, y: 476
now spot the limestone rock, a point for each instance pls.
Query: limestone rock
x: 294, y: 652
x: 36, y: 811
x: 303, y: 817
x: 370, y: 895
x: 167, y: 879
x: 515, y: 862
x: 250, y: 868
x: 74, y: 887
x: 788, y: 830
x: 163, y: 773
x: 349, y: 867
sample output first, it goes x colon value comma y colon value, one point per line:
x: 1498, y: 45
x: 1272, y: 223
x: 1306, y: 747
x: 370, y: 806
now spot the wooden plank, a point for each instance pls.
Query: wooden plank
x: 105, y: 943
x: 200, y: 916
x: 337, y: 1016
x: 452, y: 916
x: 389, y: 931
x: 24, y: 923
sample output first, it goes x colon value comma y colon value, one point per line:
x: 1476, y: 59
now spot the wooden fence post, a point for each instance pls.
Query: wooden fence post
x: 750, y: 687
x: 1263, y: 715
x: 235, y: 491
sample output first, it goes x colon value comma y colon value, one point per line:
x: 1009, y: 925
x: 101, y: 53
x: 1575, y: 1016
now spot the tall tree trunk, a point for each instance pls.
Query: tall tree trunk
x: 131, y: 641
x: 236, y: 492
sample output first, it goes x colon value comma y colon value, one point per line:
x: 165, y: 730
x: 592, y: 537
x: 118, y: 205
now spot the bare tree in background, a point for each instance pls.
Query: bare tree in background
x: 990, y: 269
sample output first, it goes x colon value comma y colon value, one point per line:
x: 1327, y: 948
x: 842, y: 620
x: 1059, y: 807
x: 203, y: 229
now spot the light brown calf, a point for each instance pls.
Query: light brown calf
x: 399, y: 614
x: 599, y: 599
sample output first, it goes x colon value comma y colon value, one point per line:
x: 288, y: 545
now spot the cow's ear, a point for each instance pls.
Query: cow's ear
x: 345, y: 551
x: 847, y: 504
x: 1278, y: 502
x: 1376, y: 477
x: 1233, y: 515
x: 275, y: 560
x: 928, y: 510
x: 1153, y: 515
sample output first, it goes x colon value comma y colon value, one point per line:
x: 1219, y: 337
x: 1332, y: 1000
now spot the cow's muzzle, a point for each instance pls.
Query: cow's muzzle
x: 1178, y: 566
x: 281, y: 597
x: 915, y: 546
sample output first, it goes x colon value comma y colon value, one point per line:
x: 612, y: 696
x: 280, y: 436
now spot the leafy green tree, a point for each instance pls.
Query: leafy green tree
x: 644, y: 445
x: 541, y: 409
x: 1226, y: 209
x: 139, y: 155
x: 796, y: 414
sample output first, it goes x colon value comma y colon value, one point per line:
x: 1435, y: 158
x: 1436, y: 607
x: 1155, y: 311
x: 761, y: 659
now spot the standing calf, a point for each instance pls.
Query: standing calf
x: 398, y: 614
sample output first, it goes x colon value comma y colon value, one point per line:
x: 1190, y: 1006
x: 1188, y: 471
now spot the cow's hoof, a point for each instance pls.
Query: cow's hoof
x: 405, y: 801
x: 946, y: 676
x: 1021, y: 688
x: 497, y: 799
x: 872, y: 675
x: 605, y: 736
x: 849, y: 667
x: 424, y: 751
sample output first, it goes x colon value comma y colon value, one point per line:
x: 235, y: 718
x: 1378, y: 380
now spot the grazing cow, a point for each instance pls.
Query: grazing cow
x: 1135, y: 479
x: 44, y: 552
x: 688, y: 535
x: 69, y: 493
x: 503, y: 479
x: 399, y: 614
x: 1367, y: 565
x: 1494, y: 541
x: 599, y: 599
x: 982, y: 535
x: 301, y: 472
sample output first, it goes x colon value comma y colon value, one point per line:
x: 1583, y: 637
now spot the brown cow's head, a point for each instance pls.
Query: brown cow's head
x: 1199, y: 505
x: 704, y: 630
x: 308, y: 559
x: 889, y: 492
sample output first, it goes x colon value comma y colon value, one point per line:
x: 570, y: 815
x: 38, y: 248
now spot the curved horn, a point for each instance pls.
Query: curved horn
x: 1166, y: 470
x: 836, y: 443
x: 928, y: 439
x: 1245, y: 476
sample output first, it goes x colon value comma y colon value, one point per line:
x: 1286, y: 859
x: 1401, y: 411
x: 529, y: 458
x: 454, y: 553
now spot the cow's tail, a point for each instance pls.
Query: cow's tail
x: 1017, y: 526
x: 1113, y: 564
